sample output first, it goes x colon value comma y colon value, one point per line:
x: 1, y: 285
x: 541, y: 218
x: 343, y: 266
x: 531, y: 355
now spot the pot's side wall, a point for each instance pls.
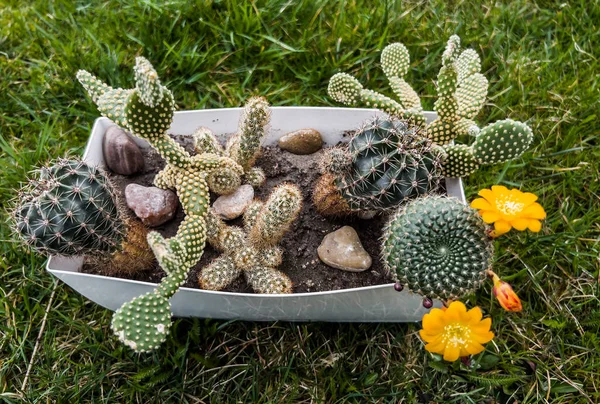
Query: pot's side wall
x: 370, y: 304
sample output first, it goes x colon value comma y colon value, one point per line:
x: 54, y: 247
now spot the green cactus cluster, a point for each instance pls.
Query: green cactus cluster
x: 253, y: 250
x: 147, y: 112
x: 385, y: 163
x: 438, y: 247
x: 461, y: 94
x: 69, y: 209
x: 243, y: 148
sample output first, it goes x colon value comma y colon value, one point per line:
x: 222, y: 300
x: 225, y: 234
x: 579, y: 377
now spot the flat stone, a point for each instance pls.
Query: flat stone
x: 303, y: 141
x: 121, y: 154
x: 154, y: 206
x: 343, y: 250
x: 230, y: 206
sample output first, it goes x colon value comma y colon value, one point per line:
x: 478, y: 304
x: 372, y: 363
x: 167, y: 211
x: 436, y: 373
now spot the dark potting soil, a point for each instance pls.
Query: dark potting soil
x: 300, y: 261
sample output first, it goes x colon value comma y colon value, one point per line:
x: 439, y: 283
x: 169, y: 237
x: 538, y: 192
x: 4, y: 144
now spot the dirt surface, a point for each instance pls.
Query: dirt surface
x: 300, y: 262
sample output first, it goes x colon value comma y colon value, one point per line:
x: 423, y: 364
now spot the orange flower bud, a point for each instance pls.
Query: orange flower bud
x: 506, y: 296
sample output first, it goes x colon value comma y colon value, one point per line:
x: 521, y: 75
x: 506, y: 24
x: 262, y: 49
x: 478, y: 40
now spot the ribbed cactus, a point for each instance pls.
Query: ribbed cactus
x: 386, y: 163
x: 147, y: 111
x: 70, y: 209
x: 461, y: 92
x: 243, y: 147
x: 253, y: 250
x: 438, y: 247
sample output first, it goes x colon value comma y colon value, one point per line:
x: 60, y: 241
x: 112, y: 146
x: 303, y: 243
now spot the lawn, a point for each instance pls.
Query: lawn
x: 542, y: 62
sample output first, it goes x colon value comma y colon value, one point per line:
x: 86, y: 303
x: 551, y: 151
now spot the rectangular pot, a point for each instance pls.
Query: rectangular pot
x: 379, y: 303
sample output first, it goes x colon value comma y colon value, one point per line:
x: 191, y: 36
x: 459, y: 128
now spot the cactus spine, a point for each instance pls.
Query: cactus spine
x: 253, y: 250
x: 438, y: 247
x: 147, y: 111
x: 461, y: 92
x: 385, y: 163
x: 70, y: 209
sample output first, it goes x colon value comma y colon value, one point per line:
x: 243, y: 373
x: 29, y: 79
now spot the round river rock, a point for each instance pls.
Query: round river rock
x: 121, y: 154
x: 154, y: 206
x: 343, y: 250
x: 303, y: 141
x: 230, y: 206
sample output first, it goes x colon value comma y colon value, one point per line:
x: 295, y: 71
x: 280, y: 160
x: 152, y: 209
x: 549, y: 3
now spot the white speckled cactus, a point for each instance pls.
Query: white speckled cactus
x: 253, y: 250
x: 461, y: 92
x: 147, y: 111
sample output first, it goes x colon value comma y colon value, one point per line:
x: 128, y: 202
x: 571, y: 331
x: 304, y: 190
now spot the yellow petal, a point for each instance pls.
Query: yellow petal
x: 474, y: 348
x: 475, y: 315
x: 501, y: 227
x: 454, y: 311
x: 535, y: 211
x: 488, y: 195
x: 490, y: 216
x: 483, y: 326
x: 482, y: 338
x: 535, y: 225
x: 432, y: 323
x: 436, y: 347
x: 451, y: 353
x: 528, y: 198
x: 481, y: 203
x: 499, y: 189
x: 520, y: 224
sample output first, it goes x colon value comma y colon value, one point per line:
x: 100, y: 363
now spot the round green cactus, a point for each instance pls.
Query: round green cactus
x: 438, y: 247
x: 69, y: 209
x: 502, y: 141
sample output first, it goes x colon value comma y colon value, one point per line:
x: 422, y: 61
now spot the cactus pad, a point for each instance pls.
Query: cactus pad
x: 502, y: 141
x: 459, y: 161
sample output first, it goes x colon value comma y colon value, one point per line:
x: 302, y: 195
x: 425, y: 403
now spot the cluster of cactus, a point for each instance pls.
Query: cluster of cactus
x: 461, y: 92
x: 243, y: 148
x: 385, y: 163
x: 70, y: 209
x: 253, y: 250
x: 147, y: 112
x: 438, y: 247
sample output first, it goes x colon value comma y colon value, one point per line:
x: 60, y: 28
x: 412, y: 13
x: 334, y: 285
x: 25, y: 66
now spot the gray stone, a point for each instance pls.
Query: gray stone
x: 343, y: 250
x: 154, y: 206
x: 121, y: 154
x: 303, y: 141
x: 230, y: 206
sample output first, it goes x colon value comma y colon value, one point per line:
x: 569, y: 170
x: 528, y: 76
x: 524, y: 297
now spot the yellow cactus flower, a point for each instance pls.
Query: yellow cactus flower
x: 509, y: 208
x: 456, y: 332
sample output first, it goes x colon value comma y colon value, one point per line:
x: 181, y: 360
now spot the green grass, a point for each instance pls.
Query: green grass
x: 542, y: 62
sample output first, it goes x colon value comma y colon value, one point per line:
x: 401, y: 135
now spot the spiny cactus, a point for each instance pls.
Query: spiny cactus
x: 253, y: 250
x: 147, y: 111
x: 70, y: 209
x: 461, y: 92
x: 385, y: 163
x: 438, y: 247
x: 243, y: 147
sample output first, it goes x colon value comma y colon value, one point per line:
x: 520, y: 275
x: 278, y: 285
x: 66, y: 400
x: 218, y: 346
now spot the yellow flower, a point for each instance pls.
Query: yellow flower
x: 505, y: 294
x: 509, y: 208
x: 456, y: 332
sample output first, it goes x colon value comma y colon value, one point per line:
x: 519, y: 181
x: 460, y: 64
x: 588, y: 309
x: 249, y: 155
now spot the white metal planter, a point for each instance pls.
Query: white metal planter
x: 379, y: 303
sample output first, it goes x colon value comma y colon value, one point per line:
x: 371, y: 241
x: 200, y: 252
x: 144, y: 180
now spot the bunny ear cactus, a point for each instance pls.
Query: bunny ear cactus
x: 147, y: 111
x: 461, y: 91
x: 70, y: 209
x: 438, y: 247
x: 385, y: 163
x: 253, y: 250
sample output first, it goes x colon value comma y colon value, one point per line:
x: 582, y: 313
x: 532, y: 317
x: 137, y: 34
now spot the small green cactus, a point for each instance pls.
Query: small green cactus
x: 253, y: 250
x: 461, y: 92
x: 70, y: 209
x: 385, y: 163
x: 438, y: 247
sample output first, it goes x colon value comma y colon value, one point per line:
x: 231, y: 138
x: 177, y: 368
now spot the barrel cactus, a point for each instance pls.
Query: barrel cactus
x: 385, y: 163
x: 461, y: 94
x: 438, y: 247
x: 70, y: 209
